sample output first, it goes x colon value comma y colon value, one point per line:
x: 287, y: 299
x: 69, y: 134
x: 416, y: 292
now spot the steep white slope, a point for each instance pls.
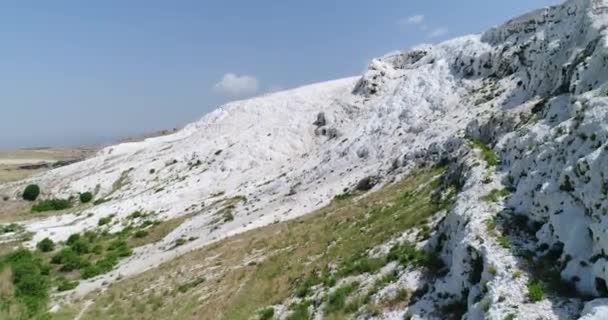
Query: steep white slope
x: 534, y: 89
x: 269, y: 150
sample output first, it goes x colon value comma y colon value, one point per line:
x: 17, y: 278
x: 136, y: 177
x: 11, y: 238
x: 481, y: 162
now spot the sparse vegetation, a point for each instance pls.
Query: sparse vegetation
x: 86, y: 197
x: 340, y: 234
x: 266, y: 314
x: 192, y: 284
x: 536, y: 291
x: 105, y: 220
x: 100, y: 201
x: 495, y: 195
x: 343, y: 196
x: 31, y: 192
x: 336, y: 300
x: 29, y: 295
x: 566, y: 185
x: 66, y: 285
x: 46, y: 245
x: 13, y: 227
x: 487, y: 153
x: 52, y: 205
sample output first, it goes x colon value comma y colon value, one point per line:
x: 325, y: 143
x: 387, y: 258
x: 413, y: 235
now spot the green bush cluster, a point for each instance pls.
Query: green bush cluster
x: 86, y: 197
x: 495, y: 195
x: 105, y: 220
x: 360, y: 264
x: 336, y: 300
x: 13, y: 227
x: 52, y: 205
x: 30, y: 277
x: 407, y: 254
x: 86, y: 254
x: 266, y: 314
x: 343, y: 196
x: 66, y: 285
x: 536, y: 291
x: 46, y: 245
x: 31, y: 192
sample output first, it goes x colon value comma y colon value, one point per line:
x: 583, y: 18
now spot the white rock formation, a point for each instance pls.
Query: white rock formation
x: 534, y: 88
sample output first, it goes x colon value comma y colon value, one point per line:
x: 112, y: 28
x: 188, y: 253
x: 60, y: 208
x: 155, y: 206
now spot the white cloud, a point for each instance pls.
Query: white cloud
x: 235, y: 85
x: 417, y: 20
x: 438, y: 32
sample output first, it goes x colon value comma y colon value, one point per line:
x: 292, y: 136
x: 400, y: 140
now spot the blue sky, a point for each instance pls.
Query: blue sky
x: 78, y: 72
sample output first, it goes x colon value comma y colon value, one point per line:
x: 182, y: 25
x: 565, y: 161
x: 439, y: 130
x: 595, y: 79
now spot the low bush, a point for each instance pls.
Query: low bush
x: 46, y: 245
x: 100, y: 201
x: 69, y: 260
x: 336, y: 300
x: 51, y: 205
x: 180, y: 242
x: 536, y: 291
x: 407, y: 254
x: 103, y: 221
x: 31, y: 192
x: 359, y: 265
x: 86, y: 197
x: 266, y: 314
x: 65, y: 285
x: 343, y: 196
x: 30, y: 277
x: 9, y: 228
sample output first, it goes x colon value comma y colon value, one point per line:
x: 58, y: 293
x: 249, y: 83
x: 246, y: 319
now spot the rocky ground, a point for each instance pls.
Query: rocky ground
x: 461, y: 180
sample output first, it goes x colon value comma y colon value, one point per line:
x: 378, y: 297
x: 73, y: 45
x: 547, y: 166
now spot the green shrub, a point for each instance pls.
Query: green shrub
x: 103, y: 221
x: 304, y: 287
x: 343, y: 196
x: 51, y: 205
x: 31, y: 192
x: 266, y: 314
x: 86, y: 197
x: 69, y: 260
x: 300, y: 311
x: 46, y: 245
x: 9, y: 228
x: 359, y: 265
x: 100, y: 201
x: 135, y: 215
x: 90, y: 272
x: 81, y: 246
x: 66, y: 285
x: 180, y: 242
x: 30, y: 277
x: 407, y: 255
x: 536, y: 291
x: 120, y: 248
x: 336, y: 301
x: 73, y: 238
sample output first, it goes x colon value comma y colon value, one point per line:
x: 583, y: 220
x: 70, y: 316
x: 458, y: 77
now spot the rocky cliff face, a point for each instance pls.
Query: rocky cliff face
x: 533, y: 91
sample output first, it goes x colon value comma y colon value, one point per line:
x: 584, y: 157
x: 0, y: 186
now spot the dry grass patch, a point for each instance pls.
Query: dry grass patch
x: 235, y: 289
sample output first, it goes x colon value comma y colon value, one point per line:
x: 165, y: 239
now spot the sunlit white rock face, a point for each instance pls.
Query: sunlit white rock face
x: 534, y: 88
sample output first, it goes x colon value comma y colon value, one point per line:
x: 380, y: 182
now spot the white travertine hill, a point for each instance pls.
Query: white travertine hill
x: 534, y: 89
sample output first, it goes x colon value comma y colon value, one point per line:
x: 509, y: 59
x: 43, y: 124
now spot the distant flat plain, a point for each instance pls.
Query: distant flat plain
x: 22, y: 163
